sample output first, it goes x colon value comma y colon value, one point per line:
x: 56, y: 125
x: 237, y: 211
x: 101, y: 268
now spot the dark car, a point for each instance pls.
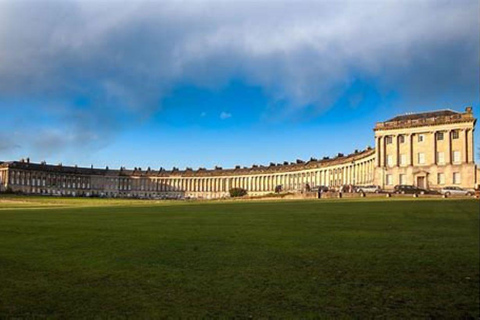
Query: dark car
x: 319, y: 188
x: 409, y: 189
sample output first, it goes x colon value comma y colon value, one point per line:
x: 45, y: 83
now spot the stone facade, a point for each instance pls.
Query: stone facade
x: 426, y: 149
x: 429, y: 150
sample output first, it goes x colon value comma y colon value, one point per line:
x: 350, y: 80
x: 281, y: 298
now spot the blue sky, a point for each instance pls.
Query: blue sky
x: 205, y: 83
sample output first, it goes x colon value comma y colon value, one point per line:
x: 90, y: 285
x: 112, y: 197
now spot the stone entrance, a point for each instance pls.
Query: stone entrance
x: 421, y: 182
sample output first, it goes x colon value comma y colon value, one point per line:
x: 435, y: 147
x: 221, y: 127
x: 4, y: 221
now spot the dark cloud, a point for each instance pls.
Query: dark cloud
x: 125, y: 57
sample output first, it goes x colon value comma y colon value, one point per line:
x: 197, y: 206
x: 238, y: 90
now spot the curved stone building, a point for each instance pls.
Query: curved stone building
x: 429, y: 150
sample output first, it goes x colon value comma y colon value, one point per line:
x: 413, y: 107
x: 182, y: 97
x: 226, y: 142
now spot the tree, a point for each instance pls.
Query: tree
x: 237, y: 192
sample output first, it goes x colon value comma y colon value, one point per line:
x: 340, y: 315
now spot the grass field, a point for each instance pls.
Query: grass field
x: 79, y: 258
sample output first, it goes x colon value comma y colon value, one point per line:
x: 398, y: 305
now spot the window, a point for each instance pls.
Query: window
x: 401, y: 139
x: 456, y: 156
x: 421, y: 158
x: 390, y: 160
x: 455, y: 134
x: 403, y: 159
x: 439, y: 135
x: 440, y: 158
x: 388, y: 139
x: 402, y: 179
x: 421, y: 137
x: 389, y: 180
x: 440, y: 178
x: 456, y: 177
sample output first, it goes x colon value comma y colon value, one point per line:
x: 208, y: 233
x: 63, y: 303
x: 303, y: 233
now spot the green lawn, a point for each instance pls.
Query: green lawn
x: 74, y: 258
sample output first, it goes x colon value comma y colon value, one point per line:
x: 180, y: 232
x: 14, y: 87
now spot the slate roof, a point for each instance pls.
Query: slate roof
x: 187, y: 173
x: 424, y: 115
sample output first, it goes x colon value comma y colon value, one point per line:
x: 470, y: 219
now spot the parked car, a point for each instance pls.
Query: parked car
x: 368, y: 189
x: 455, y: 191
x: 409, y: 189
x: 321, y: 188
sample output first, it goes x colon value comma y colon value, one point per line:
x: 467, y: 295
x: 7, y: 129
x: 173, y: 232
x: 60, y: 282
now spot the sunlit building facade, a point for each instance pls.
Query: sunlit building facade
x: 429, y: 150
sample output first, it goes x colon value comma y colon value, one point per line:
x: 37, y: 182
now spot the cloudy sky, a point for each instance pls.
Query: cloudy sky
x: 204, y: 83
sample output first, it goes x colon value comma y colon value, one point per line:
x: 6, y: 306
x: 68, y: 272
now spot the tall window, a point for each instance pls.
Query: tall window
x: 403, y: 159
x: 421, y: 137
x: 421, y: 158
x: 456, y: 157
x: 402, y: 179
x: 389, y: 179
x: 388, y: 139
x: 439, y: 135
x: 390, y: 160
x: 440, y: 178
x: 455, y: 134
x: 440, y: 158
x: 456, y: 177
x: 401, y: 139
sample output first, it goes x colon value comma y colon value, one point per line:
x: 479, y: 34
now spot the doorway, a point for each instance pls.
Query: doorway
x: 421, y: 182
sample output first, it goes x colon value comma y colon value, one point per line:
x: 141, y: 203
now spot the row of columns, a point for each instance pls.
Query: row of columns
x: 466, y: 136
x: 359, y: 173
x: 349, y: 173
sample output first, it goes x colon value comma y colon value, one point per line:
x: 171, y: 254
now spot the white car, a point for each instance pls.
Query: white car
x: 368, y: 189
x: 455, y: 191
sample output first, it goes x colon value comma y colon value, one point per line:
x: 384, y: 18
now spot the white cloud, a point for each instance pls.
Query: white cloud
x: 128, y: 57
x: 302, y: 52
x: 225, y: 115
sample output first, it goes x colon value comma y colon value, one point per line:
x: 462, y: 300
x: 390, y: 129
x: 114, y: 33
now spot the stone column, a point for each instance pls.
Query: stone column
x: 361, y: 173
x: 448, y: 154
x: 384, y: 151
x: 467, y: 149
x: 410, y: 149
x: 358, y: 172
x: 378, y: 153
x: 471, y: 146
x: 462, y: 135
x: 354, y: 169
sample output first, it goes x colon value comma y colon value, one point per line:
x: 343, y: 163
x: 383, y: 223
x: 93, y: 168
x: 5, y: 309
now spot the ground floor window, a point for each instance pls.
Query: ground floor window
x: 389, y: 180
x: 402, y: 179
x: 440, y: 178
x: 456, y: 177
